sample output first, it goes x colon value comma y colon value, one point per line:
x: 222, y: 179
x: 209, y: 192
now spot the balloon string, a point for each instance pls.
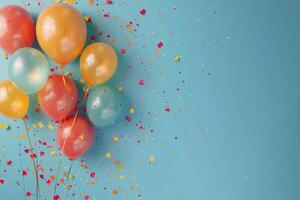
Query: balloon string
x: 60, y: 159
x: 65, y: 141
x: 33, y: 161
x: 79, y: 107
x: 21, y: 165
x: 66, y: 88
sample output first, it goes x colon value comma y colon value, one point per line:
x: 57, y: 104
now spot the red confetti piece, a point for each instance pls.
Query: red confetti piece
x: 141, y: 82
x: 49, y: 182
x: 1, y: 181
x: 24, y: 173
x: 56, y: 197
x: 42, y: 176
x: 167, y: 109
x: 9, y: 162
x: 32, y: 156
x: 26, y: 150
x: 128, y: 119
x: 106, y: 14
x: 87, y: 198
x: 42, y: 153
x: 160, y: 45
x: 123, y: 51
x: 93, y: 174
x: 108, y: 2
x: 28, y: 194
x: 143, y: 12
x: 93, y: 37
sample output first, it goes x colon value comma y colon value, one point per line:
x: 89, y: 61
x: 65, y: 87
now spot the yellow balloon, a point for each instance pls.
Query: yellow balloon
x: 98, y: 63
x: 61, y: 32
x: 13, y: 102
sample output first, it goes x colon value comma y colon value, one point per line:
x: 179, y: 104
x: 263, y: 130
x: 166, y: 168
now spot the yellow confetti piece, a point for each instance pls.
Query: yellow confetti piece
x: 120, y: 89
x: 108, y: 155
x: 177, y: 58
x: 4, y: 55
x: 50, y: 126
x: 41, y: 124
x: 152, y: 158
x: 34, y: 125
x: 58, y: 1
x: 52, y: 152
x: 70, y: 2
x: 131, y: 110
x: 71, y: 176
x: 87, y: 18
x: 68, y: 73
x: 115, y: 138
x: 22, y: 136
x: 122, y: 177
x: 120, y: 169
x: 1, y: 125
x: 6, y: 126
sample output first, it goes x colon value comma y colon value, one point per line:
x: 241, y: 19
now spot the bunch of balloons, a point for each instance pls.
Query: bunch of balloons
x: 61, y: 33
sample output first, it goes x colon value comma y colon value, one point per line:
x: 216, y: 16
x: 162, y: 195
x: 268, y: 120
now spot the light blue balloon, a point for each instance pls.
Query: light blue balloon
x: 104, y: 106
x: 28, y: 69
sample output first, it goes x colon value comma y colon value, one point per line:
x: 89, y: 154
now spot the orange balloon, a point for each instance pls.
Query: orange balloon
x: 98, y: 63
x: 13, y: 102
x: 61, y: 32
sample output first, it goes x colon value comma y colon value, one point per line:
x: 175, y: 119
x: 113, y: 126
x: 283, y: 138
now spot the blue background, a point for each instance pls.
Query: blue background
x: 233, y: 128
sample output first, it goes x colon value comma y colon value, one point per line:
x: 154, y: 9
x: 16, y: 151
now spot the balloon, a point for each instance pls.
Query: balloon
x: 98, y: 63
x: 29, y: 69
x: 75, y: 136
x: 104, y: 106
x: 61, y: 32
x: 13, y: 102
x: 58, y: 97
x: 16, y: 28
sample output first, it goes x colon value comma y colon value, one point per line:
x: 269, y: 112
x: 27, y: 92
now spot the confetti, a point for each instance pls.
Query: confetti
x: 93, y: 174
x: 141, y: 82
x: 108, y: 155
x: 177, y: 58
x: 151, y: 158
x: 70, y: 2
x: 115, y: 138
x: 160, y: 45
x: 143, y: 12
x: 114, y: 192
x: 131, y: 110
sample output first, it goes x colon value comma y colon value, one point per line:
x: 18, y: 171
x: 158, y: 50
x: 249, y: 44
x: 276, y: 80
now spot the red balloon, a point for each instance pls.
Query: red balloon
x: 75, y: 137
x: 58, y: 97
x: 17, y: 29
